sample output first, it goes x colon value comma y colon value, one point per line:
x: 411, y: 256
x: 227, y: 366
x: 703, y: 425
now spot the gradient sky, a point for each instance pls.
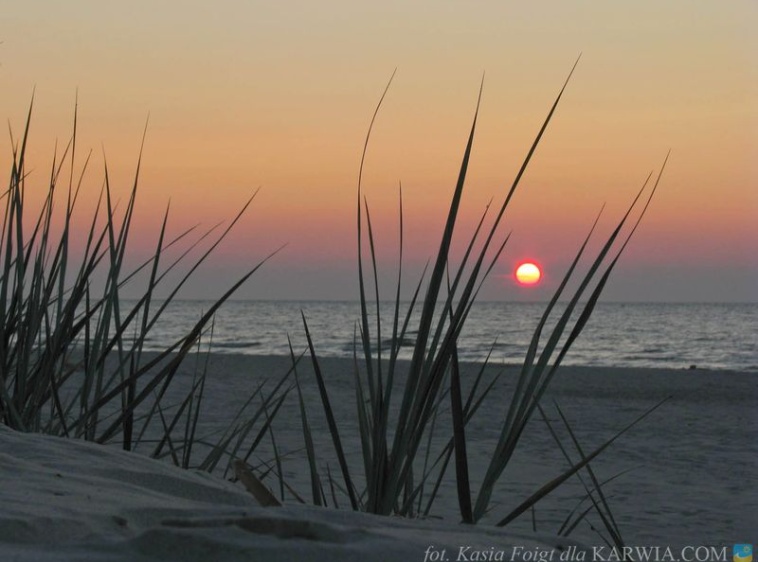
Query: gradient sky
x: 278, y: 95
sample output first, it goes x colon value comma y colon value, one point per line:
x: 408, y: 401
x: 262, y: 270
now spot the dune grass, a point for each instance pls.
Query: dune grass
x: 398, y: 413
x: 73, y: 359
x: 72, y: 348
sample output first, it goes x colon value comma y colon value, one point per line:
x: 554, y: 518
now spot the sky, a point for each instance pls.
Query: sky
x: 277, y: 97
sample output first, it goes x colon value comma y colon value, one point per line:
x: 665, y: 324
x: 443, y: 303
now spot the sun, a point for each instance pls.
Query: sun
x: 528, y: 273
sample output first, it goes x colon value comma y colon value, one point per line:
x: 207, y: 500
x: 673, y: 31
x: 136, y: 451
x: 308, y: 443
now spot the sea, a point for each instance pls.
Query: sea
x: 655, y: 335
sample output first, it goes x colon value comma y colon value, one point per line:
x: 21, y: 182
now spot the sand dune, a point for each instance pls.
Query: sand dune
x: 70, y: 500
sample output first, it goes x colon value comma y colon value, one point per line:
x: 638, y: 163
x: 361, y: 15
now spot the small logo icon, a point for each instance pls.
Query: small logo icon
x: 743, y: 553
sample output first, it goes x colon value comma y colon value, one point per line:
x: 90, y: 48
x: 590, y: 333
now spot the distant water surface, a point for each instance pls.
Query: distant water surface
x: 712, y: 336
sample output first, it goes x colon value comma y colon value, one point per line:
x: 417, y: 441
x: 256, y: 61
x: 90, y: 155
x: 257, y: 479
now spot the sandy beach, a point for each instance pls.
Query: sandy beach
x: 693, y: 462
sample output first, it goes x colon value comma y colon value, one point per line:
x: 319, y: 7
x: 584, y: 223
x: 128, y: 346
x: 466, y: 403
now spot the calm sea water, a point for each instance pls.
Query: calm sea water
x: 712, y: 336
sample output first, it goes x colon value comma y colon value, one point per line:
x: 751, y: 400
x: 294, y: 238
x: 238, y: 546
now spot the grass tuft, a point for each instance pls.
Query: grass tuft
x: 400, y: 415
x: 72, y: 348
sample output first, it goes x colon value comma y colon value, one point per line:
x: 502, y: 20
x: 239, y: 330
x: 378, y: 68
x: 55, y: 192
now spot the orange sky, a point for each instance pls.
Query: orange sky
x: 246, y: 94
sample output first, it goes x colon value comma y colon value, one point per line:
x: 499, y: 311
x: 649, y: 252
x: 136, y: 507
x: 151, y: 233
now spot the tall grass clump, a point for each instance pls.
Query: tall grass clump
x: 72, y: 348
x: 398, y: 410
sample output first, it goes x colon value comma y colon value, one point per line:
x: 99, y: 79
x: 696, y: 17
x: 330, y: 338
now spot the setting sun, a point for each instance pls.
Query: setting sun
x: 528, y: 273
